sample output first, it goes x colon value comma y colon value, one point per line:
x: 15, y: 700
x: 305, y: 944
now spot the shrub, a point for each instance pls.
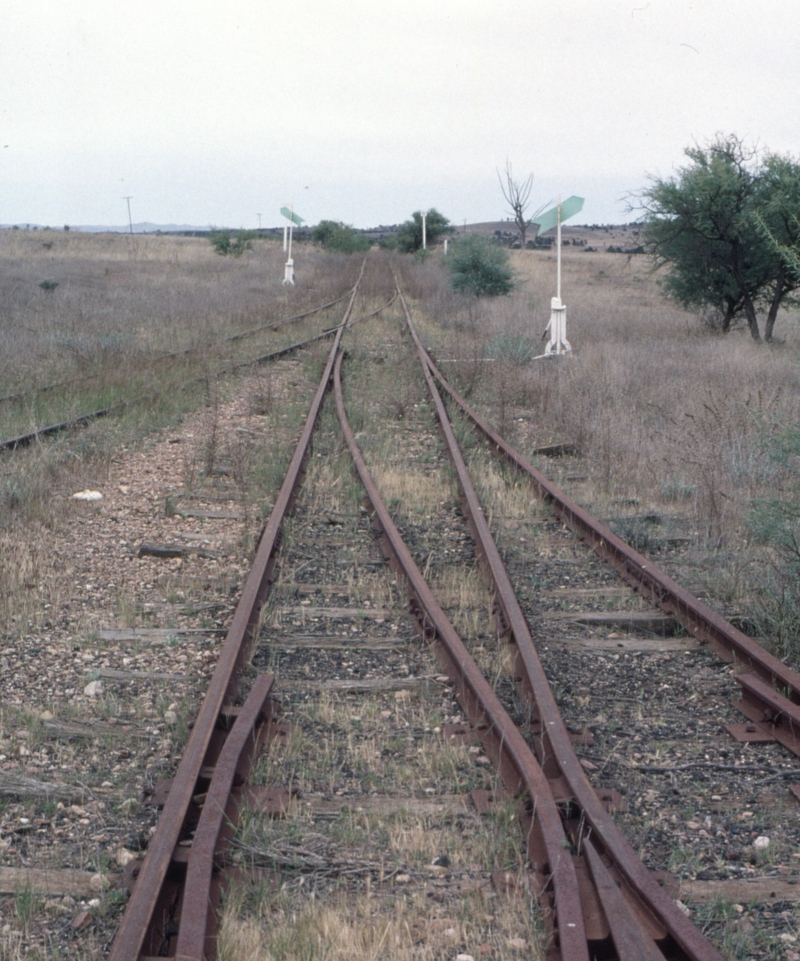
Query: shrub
x: 515, y: 348
x: 334, y: 235
x: 231, y: 242
x: 409, y: 234
x: 480, y: 267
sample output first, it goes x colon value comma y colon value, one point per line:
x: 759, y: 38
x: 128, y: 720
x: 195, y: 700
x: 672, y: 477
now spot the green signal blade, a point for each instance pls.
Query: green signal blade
x: 291, y: 215
x: 549, y: 219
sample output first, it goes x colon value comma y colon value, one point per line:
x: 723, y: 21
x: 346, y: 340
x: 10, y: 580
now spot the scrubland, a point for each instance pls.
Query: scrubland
x: 669, y: 419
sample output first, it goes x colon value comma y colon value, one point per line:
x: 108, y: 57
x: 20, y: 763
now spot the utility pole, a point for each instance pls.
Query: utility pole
x: 130, y: 222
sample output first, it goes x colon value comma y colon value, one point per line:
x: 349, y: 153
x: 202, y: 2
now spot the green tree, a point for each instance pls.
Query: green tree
x: 480, y: 267
x: 409, y: 234
x: 231, y: 242
x: 334, y: 235
x: 708, y: 225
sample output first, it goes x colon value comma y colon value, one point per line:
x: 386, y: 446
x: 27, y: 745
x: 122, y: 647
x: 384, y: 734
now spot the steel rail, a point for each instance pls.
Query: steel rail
x: 275, y: 325
x: 549, y: 850
x: 197, y: 928
x: 556, y: 754
x: 148, y: 921
x: 83, y: 419
x: 697, y: 618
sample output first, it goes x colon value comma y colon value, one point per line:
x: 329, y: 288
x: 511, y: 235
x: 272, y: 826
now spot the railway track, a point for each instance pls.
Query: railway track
x: 370, y: 719
x: 599, y: 899
x: 83, y: 419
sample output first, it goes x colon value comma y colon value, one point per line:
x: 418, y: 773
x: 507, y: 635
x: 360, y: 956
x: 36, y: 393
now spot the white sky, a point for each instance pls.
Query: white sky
x: 207, y: 112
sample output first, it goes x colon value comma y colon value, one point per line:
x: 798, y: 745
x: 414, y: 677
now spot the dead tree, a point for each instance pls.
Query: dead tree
x: 517, y: 195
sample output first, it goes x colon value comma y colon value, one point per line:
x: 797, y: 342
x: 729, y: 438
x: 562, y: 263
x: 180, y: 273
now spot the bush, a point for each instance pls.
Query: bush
x: 480, y: 267
x: 231, y: 242
x: 515, y: 348
x: 409, y: 234
x: 334, y: 235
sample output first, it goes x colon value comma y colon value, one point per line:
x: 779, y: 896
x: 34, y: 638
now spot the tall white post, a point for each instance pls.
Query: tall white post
x: 285, y: 232
x: 424, y: 233
x: 288, y: 273
x: 558, y: 241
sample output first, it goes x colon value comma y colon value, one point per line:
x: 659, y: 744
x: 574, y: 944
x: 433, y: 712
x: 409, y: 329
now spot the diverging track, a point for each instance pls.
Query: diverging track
x: 378, y: 744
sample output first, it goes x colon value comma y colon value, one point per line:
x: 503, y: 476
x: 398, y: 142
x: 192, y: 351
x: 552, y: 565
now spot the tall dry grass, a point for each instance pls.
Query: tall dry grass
x: 667, y: 416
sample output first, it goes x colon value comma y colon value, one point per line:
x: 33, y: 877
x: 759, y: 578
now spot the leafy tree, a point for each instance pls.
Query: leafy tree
x: 480, y: 267
x: 334, y: 235
x: 409, y: 234
x: 708, y: 224
x: 231, y: 242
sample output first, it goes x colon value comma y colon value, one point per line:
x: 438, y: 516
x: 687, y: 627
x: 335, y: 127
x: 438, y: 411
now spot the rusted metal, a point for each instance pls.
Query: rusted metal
x: 551, y: 738
x: 548, y: 846
x: 157, y: 889
x: 198, y: 922
x: 695, y: 617
x: 770, y: 711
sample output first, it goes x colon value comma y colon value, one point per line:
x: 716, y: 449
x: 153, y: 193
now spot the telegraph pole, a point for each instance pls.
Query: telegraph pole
x: 130, y: 222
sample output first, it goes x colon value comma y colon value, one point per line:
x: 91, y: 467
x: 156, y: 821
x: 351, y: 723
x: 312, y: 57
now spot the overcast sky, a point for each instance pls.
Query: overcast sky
x: 209, y: 112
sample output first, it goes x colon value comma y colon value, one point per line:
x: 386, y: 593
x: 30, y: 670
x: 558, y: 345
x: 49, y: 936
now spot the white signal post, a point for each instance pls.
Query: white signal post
x: 557, y: 325
x: 424, y: 232
x: 293, y: 218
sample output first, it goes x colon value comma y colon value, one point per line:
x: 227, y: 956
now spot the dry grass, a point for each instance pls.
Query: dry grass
x: 668, y: 417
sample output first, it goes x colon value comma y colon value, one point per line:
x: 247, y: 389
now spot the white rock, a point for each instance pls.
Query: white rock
x: 97, y: 882
x: 87, y: 495
x: 93, y: 689
x: 124, y: 856
x: 170, y: 717
x: 683, y: 909
x: 761, y: 843
x: 464, y: 957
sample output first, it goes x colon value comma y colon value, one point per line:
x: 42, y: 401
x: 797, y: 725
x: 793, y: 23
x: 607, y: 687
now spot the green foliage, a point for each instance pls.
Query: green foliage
x: 515, y: 348
x: 409, y: 234
x: 231, y: 242
x: 710, y: 225
x: 480, y: 267
x: 334, y: 235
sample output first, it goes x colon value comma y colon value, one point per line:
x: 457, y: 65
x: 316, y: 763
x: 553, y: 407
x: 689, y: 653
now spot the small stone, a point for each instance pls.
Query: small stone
x: 170, y: 717
x: 403, y: 878
x: 517, y: 944
x: 123, y: 857
x: 82, y: 920
x: 46, y: 716
x: 93, y: 689
x: 87, y: 495
x: 587, y: 765
x: 761, y: 843
x: 482, y: 761
x: 464, y: 957
x: 97, y: 882
x: 683, y: 909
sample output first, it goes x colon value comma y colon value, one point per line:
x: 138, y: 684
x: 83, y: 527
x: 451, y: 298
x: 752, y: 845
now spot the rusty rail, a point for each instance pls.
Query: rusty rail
x: 83, y: 419
x: 171, y: 355
x: 150, y: 917
x: 548, y: 845
x: 628, y: 924
x: 697, y: 618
